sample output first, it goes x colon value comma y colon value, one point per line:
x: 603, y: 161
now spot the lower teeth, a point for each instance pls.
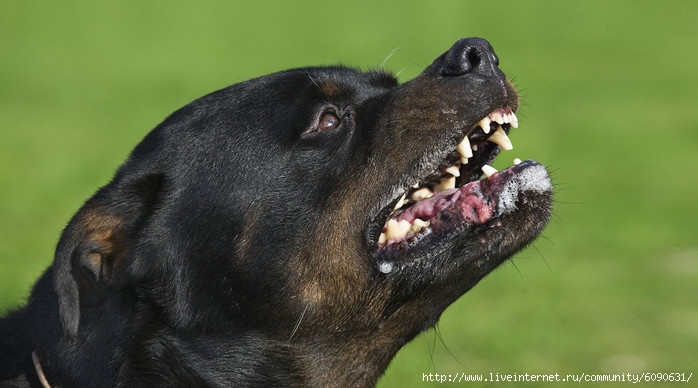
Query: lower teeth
x: 445, y: 184
x: 399, y: 230
x: 488, y: 170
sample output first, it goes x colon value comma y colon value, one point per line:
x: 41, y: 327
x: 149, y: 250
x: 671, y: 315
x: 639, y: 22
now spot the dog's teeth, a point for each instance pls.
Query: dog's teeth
x: 513, y: 120
x: 421, y: 194
x: 517, y: 161
x: 418, y: 225
x: 453, y: 170
x: 497, y: 117
x: 464, y: 150
x: 501, y: 116
x: 485, y: 124
x: 396, y: 230
x: 500, y: 138
x: 445, y: 184
x: 400, y: 202
x: 509, y: 117
x: 488, y: 170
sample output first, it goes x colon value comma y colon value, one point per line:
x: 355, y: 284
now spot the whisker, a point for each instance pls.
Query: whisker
x: 298, y: 324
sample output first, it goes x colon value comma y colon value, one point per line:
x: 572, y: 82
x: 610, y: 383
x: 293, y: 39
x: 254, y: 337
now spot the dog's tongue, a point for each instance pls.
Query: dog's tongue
x: 467, y: 200
x: 473, y: 204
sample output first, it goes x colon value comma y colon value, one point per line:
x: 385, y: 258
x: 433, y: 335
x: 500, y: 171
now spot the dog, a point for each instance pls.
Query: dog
x: 292, y: 230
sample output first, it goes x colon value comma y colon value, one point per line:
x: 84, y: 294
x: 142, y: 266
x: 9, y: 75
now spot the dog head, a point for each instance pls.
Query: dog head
x: 334, y: 211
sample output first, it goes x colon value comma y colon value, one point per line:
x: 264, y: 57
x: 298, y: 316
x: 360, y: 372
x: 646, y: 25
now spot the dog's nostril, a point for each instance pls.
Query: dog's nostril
x: 468, y: 55
x: 473, y: 56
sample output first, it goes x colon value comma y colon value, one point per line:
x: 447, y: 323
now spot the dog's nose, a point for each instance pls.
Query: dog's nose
x: 470, y: 55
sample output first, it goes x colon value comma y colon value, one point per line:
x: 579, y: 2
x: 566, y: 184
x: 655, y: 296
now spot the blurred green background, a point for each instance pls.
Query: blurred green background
x: 609, y: 104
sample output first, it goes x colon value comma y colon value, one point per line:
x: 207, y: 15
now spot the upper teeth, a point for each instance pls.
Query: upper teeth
x: 400, y: 202
x: 465, y: 150
x: 498, y: 137
x: 500, y: 116
x: 421, y: 194
x: 453, y: 170
x: 485, y: 124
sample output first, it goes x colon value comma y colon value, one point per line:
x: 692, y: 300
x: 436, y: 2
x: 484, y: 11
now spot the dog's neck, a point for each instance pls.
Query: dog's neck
x: 344, y: 365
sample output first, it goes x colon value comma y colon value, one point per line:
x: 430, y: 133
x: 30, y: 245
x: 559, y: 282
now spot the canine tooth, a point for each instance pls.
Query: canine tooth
x: 418, y: 225
x: 382, y: 239
x: 400, y: 202
x: 500, y: 138
x: 517, y: 161
x: 485, y: 124
x: 488, y: 170
x: 445, y: 184
x: 421, y: 194
x: 464, y: 150
x: 395, y: 230
x: 453, y: 170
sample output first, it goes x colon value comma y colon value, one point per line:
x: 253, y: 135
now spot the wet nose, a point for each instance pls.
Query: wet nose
x: 470, y: 55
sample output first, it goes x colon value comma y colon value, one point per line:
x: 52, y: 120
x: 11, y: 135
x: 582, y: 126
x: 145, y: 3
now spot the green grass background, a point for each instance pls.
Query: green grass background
x: 609, y: 104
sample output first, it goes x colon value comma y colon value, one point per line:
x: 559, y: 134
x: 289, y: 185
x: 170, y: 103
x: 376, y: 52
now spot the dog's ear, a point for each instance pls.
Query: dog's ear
x: 92, y: 253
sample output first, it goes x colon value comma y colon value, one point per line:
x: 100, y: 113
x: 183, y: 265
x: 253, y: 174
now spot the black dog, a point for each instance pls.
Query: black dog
x: 293, y: 230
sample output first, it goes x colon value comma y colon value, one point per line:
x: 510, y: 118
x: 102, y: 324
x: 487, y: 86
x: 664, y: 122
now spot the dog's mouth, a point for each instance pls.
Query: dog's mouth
x: 453, y: 198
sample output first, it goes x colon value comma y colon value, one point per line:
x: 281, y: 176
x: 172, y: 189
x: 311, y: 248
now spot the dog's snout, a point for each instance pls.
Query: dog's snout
x: 471, y: 55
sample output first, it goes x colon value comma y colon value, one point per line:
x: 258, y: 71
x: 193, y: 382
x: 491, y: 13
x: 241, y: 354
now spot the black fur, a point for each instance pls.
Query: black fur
x: 237, y: 245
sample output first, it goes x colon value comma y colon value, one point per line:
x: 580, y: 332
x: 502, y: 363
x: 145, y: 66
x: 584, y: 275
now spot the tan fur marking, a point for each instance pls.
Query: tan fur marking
x: 330, y: 89
x: 102, y: 228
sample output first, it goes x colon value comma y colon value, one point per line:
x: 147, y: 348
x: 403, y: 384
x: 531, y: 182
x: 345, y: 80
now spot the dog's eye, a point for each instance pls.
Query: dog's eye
x: 328, y: 122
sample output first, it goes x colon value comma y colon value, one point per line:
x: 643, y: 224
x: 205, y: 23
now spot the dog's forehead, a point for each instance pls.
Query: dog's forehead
x: 342, y: 82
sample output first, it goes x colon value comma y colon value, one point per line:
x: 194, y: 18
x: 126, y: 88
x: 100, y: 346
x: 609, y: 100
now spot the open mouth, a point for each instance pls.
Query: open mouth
x: 453, y: 197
